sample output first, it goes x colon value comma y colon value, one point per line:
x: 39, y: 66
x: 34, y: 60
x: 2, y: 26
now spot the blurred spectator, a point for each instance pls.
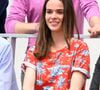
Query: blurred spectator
x: 7, y: 73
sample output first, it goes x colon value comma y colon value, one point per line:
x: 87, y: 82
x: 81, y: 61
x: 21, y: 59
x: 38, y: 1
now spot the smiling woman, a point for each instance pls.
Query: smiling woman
x: 54, y: 15
x: 88, y: 7
x: 58, y: 61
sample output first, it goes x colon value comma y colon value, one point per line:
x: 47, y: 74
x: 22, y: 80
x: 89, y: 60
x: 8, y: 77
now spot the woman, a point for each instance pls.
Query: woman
x: 24, y: 17
x: 58, y: 61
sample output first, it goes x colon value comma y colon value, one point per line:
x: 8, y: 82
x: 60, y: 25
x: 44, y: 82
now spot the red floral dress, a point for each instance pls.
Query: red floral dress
x: 54, y: 72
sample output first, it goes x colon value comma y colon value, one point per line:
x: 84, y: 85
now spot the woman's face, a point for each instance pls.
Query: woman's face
x: 54, y: 15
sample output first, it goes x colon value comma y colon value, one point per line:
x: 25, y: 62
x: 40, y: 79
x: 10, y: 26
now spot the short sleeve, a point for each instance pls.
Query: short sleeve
x: 30, y: 60
x: 81, y: 61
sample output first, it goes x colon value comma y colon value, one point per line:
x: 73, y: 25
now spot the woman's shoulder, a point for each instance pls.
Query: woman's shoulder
x: 76, y: 43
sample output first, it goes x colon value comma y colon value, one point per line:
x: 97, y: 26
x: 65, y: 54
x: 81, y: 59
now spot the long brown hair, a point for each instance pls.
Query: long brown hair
x: 44, y: 39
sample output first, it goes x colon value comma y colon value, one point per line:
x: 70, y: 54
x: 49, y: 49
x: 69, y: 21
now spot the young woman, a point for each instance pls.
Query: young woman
x: 58, y: 61
x: 30, y: 11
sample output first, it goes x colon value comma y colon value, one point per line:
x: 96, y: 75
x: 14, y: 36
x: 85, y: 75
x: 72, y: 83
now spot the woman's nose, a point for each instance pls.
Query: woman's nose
x: 54, y: 15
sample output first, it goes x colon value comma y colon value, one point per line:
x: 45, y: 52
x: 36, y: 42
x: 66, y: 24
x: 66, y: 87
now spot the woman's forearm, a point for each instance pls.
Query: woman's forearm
x: 29, y: 79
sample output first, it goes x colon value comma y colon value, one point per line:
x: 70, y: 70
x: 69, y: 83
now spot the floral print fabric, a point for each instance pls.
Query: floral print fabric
x: 54, y: 72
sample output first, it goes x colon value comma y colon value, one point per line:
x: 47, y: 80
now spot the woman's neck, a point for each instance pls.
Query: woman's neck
x: 59, y: 41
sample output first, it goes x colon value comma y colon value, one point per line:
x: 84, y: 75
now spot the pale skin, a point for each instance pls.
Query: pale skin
x: 54, y: 18
x: 94, y: 26
x: 29, y: 79
x: 77, y: 81
x: 26, y: 28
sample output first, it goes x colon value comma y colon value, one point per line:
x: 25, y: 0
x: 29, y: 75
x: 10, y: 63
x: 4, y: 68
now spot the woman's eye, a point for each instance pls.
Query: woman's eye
x: 48, y: 11
x: 60, y: 11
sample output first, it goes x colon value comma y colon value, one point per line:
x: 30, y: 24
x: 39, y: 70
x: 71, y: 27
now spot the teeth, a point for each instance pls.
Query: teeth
x: 53, y: 22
